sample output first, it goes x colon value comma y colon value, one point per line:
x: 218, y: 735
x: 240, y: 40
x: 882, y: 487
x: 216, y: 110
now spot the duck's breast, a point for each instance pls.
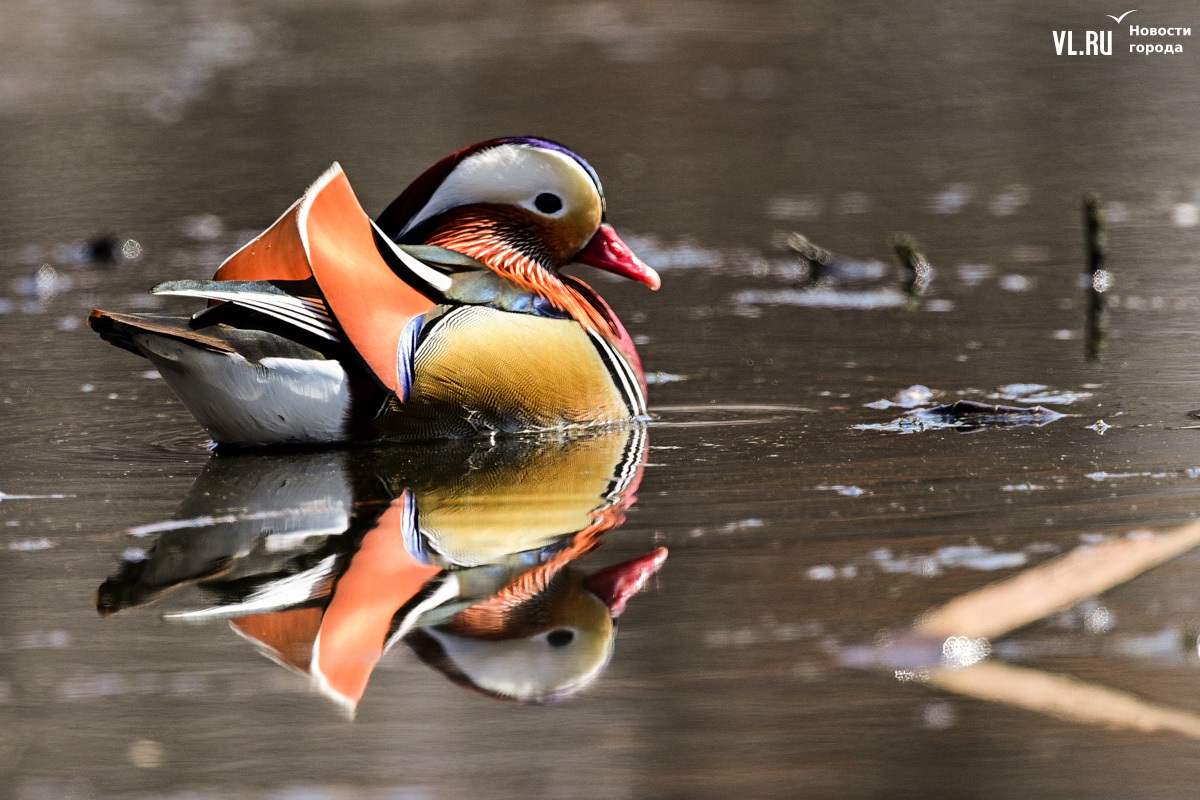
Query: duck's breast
x: 487, y: 369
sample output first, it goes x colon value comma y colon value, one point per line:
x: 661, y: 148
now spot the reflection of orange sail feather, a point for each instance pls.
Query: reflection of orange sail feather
x: 285, y: 636
x: 382, y: 577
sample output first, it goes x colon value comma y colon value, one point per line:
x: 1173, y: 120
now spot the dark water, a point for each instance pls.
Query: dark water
x: 717, y: 128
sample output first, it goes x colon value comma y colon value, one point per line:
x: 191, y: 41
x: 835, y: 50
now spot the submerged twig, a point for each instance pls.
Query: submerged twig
x: 948, y: 646
x: 819, y: 261
x: 916, y: 273
x: 1057, y: 585
x: 1099, y: 280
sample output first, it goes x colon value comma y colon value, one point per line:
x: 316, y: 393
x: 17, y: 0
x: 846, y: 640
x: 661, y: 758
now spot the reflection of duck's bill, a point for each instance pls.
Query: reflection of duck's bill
x: 616, y: 584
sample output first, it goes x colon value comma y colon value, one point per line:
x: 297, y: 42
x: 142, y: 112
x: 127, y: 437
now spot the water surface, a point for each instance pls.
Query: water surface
x: 717, y: 129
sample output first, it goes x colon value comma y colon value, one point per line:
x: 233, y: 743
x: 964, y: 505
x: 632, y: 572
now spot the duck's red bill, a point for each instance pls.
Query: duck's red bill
x: 606, y: 251
x: 615, y: 585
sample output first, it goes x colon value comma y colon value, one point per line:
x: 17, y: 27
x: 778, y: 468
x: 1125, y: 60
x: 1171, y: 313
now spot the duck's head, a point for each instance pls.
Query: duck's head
x: 526, y: 207
x: 545, y: 649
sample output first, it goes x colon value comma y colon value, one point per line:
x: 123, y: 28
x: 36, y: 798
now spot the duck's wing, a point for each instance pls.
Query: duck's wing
x: 276, y: 299
x: 249, y: 385
x: 371, y: 290
x: 119, y: 330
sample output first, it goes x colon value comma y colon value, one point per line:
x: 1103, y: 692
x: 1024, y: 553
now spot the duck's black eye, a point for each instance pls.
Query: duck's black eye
x: 547, y: 203
x: 560, y: 638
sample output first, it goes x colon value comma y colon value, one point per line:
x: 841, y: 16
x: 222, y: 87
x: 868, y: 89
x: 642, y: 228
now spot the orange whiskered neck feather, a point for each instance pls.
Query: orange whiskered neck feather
x: 486, y: 239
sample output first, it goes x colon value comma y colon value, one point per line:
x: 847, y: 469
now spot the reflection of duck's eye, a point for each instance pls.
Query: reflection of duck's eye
x: 547, y: 203
x: 560, y: 638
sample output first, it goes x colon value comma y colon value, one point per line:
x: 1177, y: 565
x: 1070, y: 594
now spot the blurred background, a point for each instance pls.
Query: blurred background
x: 142, y: 141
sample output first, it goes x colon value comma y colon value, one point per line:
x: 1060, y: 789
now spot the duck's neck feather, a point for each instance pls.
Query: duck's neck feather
x: 482, y: 244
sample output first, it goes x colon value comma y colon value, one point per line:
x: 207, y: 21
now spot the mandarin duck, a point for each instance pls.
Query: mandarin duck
x: 325, y: 560
x: 447, y: 316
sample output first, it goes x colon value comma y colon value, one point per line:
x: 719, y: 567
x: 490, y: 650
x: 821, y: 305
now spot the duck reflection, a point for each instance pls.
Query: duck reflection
x: 464, y: 552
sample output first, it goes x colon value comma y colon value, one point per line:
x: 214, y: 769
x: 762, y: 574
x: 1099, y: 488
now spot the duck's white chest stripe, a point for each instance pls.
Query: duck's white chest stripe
x: 626, y: 381
x: 420, y: 272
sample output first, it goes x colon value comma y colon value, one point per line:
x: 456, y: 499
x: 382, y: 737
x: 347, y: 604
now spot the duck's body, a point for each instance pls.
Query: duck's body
x: 448, y: 317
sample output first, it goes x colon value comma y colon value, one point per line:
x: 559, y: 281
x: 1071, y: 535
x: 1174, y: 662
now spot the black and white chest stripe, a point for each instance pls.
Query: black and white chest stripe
x: 622, y: 375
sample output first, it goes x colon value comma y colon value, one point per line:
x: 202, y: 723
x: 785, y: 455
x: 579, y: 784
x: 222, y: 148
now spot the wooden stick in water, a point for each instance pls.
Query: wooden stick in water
x: 1064, y: 697
x: 1056, y: 585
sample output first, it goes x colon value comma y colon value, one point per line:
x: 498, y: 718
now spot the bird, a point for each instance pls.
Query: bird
x: 467, y: 553
x: 447, y: 316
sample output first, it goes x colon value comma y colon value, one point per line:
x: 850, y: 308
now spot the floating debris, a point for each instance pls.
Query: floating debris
x: 821, y: 297
x: 1022, y: 487
x: 1099, y: 427
x: 31, y: 545
x: 966, y: 415
x: 131, y: 250
x: 4, y: 496
x: 201, y: 227
x: 42, y: 640
x: 913, y: 396
x: 844, y: 491
x: 975, y: 274
x: 1037, y: 393
x: 976, y: 557
x: 1185, y: 215
x: 1012, y: 391
x: 822, y: 572
x: 963, y: 651
x: 43, y: 284
x: 1100, y: 477
x: 1016, y: 283
x: 952, y: 199
x: 652, y: 378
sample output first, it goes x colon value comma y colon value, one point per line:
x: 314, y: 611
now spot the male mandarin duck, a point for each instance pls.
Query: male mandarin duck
x: 447, y: 316
x: 325, y: 560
